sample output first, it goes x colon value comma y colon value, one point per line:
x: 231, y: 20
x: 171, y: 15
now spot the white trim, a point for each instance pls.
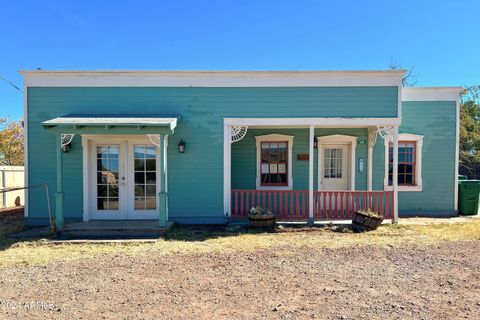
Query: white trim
x: 457, y: 153
x: 227, y: 170
x: 372, y: 139
x: 310, y: 171
x: 131, y: 78
x: 418, y: 163
x: 25, y: 148
x: 326, y: 122
x: 93, y: 212
x: 431, y: 94
x: 274, y: 137
x: 338, y: 139
x: 165, y: 163
x: 395, y: 174
x: 86, y: 178
x: 405, y: 188
x: 79, y: 121
x: 127, y: 140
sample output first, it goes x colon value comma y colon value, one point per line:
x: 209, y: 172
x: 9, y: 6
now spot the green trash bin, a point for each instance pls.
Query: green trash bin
x: 462, y: 177
x: 468, y: 197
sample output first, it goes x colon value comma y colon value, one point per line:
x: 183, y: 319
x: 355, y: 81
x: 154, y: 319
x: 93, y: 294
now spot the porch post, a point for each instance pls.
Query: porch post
x: 310, y: 175
x: 59, y: 194
x: 162, y: 195
x: 165, y: 165
x: 227, y: 173
x: 372, y: 138
x: 395, y: 175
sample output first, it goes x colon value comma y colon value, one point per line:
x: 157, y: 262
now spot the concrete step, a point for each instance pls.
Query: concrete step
x: 135, y: 229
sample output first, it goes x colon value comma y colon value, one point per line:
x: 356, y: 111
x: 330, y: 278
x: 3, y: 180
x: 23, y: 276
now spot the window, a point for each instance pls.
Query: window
x: 406, y: 163
x: 333, y: 163
x: 274, y: 162
x: 409, y: 163
x: 107, y: 177
x: 145, y: 177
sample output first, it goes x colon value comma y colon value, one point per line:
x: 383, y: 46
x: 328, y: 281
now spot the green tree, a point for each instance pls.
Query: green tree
x: 470, y: 126
x: 11, y: 142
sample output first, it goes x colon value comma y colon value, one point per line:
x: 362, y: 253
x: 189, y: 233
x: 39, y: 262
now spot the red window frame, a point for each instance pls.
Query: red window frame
x: 405, y: 163
x: 267, y: 184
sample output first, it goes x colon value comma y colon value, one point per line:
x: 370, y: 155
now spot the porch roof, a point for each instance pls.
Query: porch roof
x: 98, y: 123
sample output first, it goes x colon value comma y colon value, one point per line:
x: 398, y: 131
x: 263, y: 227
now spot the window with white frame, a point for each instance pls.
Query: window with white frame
x: 409, y: 163
x: 274, y: 161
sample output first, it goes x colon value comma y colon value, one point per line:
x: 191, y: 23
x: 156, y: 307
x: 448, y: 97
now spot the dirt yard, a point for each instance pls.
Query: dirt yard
x: 397, y: 272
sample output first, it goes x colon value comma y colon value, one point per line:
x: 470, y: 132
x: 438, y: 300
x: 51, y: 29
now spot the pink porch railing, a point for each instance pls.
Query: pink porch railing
x: 292, y: 205
x: 288, y: 205
x: 341, y: 205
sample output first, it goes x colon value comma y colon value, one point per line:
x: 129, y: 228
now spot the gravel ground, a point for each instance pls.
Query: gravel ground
x: 361, y: 282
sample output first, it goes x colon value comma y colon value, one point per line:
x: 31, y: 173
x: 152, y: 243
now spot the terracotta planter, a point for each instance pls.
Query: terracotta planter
x: 262, y: 220
x: 366, y: 221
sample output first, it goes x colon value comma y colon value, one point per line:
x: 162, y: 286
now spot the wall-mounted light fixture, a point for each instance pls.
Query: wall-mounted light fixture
x: 181, y: 146
x: 66, y: 147
x: 315, y: 143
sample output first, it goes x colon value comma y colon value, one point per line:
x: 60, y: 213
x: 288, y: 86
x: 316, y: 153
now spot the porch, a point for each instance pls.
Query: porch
x: 124, y: 165
x: 320, y: 172
x: 294, y: 205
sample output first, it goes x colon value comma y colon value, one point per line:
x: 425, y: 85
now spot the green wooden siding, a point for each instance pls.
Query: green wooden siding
x: 195, y: 177
x: 435, y: 120
x: 244, y: 157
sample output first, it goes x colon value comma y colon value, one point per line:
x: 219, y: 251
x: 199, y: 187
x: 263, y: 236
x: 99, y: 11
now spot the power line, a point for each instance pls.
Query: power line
x: 10, y: 83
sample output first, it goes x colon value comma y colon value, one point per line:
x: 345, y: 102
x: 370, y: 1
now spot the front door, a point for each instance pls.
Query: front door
x: 123, y: 179
x: 334, y: 167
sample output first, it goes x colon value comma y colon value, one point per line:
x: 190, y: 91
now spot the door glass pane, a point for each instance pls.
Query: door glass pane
x: 150, y: 165
x: 145, y: 176
x: 107, y: 177
x: 140, y: 203
x: 333, y: 163
x: 150, y: 203
x: 150, y: 190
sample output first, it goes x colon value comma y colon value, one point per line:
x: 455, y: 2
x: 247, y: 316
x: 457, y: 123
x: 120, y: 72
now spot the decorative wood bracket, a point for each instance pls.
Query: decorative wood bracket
x: 66, y: 139
x: 154, y: 139
x: 386, y: 133
x: 238, y: 133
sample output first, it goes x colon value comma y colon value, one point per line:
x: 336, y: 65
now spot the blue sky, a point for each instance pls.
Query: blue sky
x: 440, y: 39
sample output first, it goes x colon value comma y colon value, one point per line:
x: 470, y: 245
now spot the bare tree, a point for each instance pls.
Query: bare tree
x: 409, y: 79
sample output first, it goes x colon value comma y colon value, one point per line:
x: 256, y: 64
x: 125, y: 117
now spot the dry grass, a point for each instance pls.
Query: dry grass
x: 199, y: 240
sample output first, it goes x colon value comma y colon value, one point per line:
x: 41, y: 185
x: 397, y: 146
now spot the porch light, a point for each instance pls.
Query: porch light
x: 66, y: 147
x: 181, y: 146
x: 315, y: 143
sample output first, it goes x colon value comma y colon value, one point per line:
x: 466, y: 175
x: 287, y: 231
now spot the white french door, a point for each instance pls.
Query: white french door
x: 334, y: 167
x: 142, y: 180
x: 123, y: 179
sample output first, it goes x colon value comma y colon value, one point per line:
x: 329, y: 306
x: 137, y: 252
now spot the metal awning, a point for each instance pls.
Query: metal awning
x: 114, y: 123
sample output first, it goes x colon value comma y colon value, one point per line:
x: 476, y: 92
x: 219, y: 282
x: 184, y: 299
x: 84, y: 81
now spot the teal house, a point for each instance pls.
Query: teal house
x: 203, y: 147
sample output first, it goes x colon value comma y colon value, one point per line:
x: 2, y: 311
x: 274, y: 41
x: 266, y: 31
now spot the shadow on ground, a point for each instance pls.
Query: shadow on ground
x: 202, y: 233
x: 207, y: 232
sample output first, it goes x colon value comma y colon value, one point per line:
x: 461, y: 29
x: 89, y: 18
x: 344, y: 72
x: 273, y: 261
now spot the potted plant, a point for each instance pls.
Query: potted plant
x: 261, y: 218
x: 366, y: 219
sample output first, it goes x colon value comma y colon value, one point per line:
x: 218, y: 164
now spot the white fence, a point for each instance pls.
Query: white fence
x: 12, y: 177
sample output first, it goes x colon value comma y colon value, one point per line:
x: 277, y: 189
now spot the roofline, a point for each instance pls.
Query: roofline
x: 152, y: 78
x: 395, y: 72
x: 431, y: 93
